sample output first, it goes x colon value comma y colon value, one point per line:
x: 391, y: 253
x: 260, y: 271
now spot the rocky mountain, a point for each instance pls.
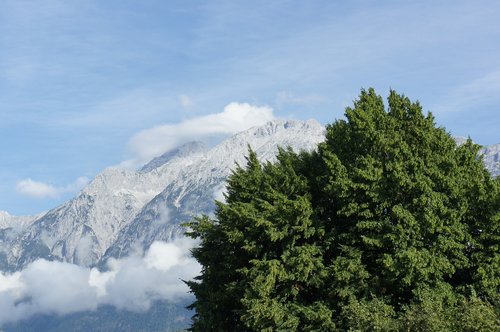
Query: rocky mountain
x: 15, y: 222
x: 124, y: 209
x: 81, y: 230
x: 184, y: 150
x: 11, y: 227
x: 197, y: 186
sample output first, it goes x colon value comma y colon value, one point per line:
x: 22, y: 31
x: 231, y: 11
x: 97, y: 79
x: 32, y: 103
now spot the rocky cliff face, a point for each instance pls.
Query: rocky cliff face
x: 491, y: 158
x: 197, y: 186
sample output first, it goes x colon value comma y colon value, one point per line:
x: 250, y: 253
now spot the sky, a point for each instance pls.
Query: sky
x: 85, y: 85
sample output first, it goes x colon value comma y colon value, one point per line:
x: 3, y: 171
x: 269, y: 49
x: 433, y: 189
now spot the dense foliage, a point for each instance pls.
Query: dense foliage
x: 388, y: 226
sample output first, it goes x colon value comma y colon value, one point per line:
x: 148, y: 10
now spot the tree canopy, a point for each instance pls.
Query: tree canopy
x: 387, y: 226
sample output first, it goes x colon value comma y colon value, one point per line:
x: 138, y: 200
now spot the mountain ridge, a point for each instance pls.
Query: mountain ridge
x: 84, y: 228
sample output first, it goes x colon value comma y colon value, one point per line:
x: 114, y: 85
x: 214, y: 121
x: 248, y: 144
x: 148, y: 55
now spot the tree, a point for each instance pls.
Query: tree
x: 356, y: 235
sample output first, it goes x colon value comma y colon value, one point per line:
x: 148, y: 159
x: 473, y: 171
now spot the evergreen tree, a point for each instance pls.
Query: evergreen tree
x: 389, y: 225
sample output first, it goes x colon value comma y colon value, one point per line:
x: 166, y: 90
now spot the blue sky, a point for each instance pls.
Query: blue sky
x: 81, y: 80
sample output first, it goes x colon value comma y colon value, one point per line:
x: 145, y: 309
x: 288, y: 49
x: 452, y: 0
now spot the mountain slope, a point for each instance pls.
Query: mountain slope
x: 120, y: 206
x: 194, y: 190
x: 15, y: 222
x: 81, y: 230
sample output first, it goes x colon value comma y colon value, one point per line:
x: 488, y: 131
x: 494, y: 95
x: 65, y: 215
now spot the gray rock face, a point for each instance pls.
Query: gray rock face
x: 185, y: 150
x: 491, y: 158
x: 193, y: 192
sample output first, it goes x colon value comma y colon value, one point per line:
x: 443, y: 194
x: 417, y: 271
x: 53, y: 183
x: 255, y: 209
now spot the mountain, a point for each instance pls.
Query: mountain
x: 185, y: 150
x: 15, y: 222
x: 81, y: 230
x: 120, y: 209
x: 10, y: 228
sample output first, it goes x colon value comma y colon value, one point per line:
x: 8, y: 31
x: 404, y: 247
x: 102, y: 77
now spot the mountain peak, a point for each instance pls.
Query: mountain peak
x: 277, y: 125
x: 7, y: 220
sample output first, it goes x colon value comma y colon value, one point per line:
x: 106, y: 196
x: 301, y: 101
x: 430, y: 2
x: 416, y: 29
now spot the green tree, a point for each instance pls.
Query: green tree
x: 265, y: 275
x: 354, y: 236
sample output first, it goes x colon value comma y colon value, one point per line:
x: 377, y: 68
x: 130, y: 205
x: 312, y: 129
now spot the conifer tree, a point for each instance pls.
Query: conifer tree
x: 388, y: 226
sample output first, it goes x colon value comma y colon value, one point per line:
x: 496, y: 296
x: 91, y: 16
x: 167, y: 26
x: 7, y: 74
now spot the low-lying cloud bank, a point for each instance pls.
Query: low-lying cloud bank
x: 131, y: 283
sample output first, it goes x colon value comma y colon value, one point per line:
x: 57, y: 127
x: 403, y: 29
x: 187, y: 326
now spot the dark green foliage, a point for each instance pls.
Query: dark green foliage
x: 388, y: 226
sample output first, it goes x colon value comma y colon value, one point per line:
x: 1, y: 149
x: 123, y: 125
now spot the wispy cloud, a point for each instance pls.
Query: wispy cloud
x: 132, y: 283
x: 236, y: 117
x: 37, y: 189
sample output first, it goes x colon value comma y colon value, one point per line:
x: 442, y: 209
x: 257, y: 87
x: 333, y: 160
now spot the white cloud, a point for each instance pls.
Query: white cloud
x: 186, y: 102
x: 36, y: 189
x: 236, y: 117
x: 132, y: 283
